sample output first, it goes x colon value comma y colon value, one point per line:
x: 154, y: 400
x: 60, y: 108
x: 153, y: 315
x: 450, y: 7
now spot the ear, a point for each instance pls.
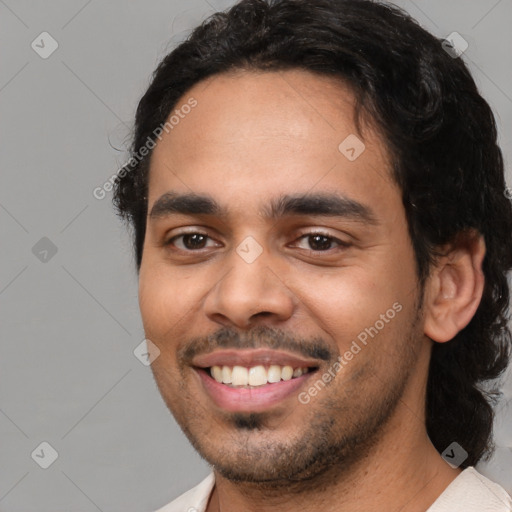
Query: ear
x: 454, y: 288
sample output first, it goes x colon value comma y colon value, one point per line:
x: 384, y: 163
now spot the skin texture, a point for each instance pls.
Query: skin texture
x: 361, y: 440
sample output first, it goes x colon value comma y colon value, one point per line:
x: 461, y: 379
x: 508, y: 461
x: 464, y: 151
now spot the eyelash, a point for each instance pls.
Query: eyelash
x: 340, y: 243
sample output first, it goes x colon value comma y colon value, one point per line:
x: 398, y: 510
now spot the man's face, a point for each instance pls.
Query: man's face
x: 297, y: 288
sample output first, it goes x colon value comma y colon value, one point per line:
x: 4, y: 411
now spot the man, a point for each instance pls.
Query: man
x: 322, y: 238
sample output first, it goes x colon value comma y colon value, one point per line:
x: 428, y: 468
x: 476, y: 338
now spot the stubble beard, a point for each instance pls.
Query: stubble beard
x: 341, y: 434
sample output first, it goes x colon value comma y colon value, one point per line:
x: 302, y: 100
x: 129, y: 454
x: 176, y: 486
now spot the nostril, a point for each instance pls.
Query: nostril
x: 263, y: 313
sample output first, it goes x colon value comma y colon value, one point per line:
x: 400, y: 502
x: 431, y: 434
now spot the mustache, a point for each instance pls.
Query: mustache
x: 259, y: 337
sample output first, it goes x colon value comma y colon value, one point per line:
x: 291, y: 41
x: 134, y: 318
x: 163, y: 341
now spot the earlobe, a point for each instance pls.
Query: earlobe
x: 454, y: 288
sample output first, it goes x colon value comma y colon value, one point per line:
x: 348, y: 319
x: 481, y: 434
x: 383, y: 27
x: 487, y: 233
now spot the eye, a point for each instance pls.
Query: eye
x: 189, y: 241
x: 195, y: 241
x: 321, y: 242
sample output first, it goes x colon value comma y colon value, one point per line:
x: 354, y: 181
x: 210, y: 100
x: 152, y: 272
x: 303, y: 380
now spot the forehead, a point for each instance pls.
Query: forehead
x: 254, y: 133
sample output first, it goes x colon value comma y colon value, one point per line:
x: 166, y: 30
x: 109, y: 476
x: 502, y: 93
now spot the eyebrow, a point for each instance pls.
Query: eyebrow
x: 317, y: 204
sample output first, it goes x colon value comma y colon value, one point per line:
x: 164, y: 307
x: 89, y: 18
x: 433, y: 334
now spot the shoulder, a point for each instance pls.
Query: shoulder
x: 194, y: 500
x: 472, y: 492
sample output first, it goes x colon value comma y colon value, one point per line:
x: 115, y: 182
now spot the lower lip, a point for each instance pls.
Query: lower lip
x: 256, y: 399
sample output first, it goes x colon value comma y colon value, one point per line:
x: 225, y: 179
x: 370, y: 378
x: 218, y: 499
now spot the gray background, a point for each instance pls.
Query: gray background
x: 69, y: 324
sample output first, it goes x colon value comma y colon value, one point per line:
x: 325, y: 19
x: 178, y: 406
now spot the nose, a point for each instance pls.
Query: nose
x: 249, y: 293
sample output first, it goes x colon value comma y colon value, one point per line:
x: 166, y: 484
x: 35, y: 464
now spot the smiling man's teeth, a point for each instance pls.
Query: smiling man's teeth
x: 225, y: 374
x: 254, y: 376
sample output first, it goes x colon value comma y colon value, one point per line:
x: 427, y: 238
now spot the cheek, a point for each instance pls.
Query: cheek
x: 165, y: 297
x: 347, y: 300
x: 154, y: 298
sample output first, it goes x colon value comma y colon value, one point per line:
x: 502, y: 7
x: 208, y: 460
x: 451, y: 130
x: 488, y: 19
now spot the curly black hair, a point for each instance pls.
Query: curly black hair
x: 442, y: 137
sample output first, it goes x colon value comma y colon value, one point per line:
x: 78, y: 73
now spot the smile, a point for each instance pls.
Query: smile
x: 252, y: 380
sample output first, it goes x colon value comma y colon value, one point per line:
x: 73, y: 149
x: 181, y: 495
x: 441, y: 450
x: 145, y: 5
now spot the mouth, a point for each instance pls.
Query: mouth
x: 252, y: 381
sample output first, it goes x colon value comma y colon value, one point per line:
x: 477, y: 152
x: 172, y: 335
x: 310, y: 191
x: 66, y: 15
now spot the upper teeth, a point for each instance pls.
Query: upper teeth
x: 254, y: 376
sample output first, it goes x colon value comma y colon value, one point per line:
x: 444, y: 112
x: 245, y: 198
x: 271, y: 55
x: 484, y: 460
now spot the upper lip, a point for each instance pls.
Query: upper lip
x: 252, y: 357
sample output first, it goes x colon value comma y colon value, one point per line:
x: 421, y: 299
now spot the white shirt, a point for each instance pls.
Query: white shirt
x: 469, y: 492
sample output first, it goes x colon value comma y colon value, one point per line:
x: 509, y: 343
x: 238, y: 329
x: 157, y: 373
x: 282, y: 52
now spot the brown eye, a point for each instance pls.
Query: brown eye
x: 321, y: 242
x: 189, y: 241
